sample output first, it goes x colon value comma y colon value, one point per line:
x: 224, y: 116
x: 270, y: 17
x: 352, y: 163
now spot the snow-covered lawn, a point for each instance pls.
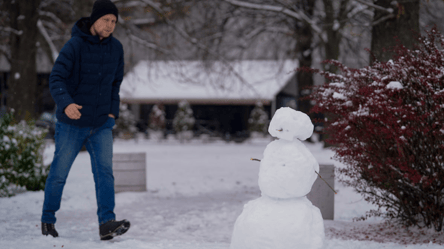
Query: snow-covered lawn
x: 195, y: 193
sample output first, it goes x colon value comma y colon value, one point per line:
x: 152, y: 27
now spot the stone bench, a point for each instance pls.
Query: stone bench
x: 129, y: 172
x: 321, y: 195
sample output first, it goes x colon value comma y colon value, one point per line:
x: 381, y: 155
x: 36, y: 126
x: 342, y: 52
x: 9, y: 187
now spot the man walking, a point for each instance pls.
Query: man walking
x: 85, y: 83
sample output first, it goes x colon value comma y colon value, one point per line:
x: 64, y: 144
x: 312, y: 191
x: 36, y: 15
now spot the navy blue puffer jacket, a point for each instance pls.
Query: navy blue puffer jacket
x: 88, y: 72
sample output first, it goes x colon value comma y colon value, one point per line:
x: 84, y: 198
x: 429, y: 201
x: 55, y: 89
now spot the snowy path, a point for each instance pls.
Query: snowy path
x: 195, y: 193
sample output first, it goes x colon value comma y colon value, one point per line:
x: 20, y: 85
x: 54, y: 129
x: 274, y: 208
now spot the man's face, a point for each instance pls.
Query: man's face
x: 104, y: 26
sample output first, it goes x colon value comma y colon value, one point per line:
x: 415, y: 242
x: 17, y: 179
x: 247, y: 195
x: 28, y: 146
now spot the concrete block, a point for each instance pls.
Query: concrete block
x: 321, y: 195
x: 129, y: 172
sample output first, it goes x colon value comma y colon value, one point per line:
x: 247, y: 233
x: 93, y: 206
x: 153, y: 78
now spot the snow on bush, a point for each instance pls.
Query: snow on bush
x: 126, y: 123
x: 21, y: 157
x: 183, y: 118
x: 157, y: 118
x: 258, y: 120
x: 388, y: 125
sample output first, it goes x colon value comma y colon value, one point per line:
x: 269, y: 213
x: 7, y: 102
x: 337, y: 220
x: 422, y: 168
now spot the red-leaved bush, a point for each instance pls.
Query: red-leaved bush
x: 387, y: 122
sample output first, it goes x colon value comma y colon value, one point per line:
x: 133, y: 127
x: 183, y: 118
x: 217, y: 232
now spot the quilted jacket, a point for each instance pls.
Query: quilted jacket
x: 88, y: 72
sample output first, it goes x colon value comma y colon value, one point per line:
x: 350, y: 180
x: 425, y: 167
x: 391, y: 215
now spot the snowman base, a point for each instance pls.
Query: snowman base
x: 279, y: 224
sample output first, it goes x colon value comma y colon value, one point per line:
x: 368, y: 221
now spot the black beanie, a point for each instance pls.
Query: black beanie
x: 101, y: 8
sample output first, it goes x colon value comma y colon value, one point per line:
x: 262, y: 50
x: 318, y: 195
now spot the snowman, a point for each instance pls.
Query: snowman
x: 283, y: 217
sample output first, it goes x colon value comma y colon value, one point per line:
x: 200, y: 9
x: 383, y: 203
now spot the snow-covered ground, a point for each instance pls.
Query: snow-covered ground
x: 195, y: 193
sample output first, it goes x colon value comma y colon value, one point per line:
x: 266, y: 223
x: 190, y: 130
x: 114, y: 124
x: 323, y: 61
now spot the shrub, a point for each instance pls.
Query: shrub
x: 21, y: 156
x: 157, y: 118
x: 183, y: 118
x: 126, y: 123
x: 388, y: 125
x: 258, y: 121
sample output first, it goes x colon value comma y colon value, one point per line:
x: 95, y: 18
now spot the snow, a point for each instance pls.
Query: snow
x: 339, y: 96
x: 283, y: 217
x: 395, y: 85
x: 287, y: 169
x: 336, y: 25
x: 337, y: 84
x: 195, y: 193
x: 175, y: 81
x: 288, y: 124
x: 278, y: 223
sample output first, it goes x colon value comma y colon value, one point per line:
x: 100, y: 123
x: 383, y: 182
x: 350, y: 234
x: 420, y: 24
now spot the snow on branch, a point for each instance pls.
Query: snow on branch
x: 366, y: 2
x: 147, y: 44
x: 54, y: 51
x: 11, y: 30
x: 6, y: 52
x: 157, y: 8
x: 299, y: 15
x: 51, y: 15
x: 129, y: 4
x: 382, y: 19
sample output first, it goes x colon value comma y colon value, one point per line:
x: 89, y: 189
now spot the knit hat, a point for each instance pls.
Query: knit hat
x: 101, y: 8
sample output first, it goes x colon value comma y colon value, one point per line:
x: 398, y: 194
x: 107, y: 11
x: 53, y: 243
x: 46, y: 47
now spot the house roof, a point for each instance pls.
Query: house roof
x: 242, y: 82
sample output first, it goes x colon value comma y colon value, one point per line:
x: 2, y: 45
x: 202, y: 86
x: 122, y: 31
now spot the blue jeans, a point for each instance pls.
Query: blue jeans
x: 69, y: 140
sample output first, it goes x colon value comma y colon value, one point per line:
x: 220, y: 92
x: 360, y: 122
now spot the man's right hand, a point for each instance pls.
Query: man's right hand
x: 72, y: 111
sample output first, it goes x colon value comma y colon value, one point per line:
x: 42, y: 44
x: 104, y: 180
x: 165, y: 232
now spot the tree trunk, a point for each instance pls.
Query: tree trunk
x: 304, y: 50
x: 333, y: 30
x: 332, y: 50
x: 22, y: 79
x: 403, y: 26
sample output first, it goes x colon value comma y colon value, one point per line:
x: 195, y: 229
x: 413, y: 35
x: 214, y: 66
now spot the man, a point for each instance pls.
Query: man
x: 85, y: 83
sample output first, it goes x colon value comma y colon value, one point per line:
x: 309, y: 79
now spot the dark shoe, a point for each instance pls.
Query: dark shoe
x: 113, y: 228
x: 49, y: 229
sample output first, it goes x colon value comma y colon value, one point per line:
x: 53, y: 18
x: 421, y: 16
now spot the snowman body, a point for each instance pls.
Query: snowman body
x: 287, y: 170
x: 283, y: 218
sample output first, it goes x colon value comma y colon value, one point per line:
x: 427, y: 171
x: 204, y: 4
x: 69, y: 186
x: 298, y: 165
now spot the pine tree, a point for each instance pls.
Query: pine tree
x: 157, y: 118
x: 258, y: 121
x: 183, y: 118
x: 126, y: 123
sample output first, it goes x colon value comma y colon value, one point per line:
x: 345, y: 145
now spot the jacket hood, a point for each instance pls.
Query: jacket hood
x: 81, y: 29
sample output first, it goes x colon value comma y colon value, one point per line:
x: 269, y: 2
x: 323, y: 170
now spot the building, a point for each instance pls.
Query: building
x: 221, y: 95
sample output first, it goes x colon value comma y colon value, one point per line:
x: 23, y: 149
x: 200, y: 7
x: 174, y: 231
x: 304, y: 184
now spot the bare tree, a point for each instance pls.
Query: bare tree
x: 301, y: 27
x: 194, y: 29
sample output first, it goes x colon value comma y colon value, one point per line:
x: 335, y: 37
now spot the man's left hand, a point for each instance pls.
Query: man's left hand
x: 112, y: 116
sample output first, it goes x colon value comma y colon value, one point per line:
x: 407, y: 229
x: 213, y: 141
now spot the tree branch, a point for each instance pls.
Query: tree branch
x: 300, y: 16
x: 54, y: 51
x: 11, y: 30
x: 50, y: 15
x: 195, y: 42
x: 388, y: 10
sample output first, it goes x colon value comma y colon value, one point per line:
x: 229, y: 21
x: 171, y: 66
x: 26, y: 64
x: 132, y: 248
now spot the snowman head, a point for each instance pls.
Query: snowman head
x: 288, y: 124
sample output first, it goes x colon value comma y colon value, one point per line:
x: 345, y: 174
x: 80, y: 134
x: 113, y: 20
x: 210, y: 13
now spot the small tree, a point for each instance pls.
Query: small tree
x: 183, y: 118
x: 126, y: 123
x: 258, y: 121
x: 388, y: 125
x: 21, y: 156
x: 157, y: 118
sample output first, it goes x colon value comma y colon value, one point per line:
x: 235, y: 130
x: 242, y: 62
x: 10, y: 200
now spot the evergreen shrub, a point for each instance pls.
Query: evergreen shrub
x: 388, y: 125
x: 157, y: 118
x: 258, y: 120
x: 21, y: 156
x: 126, y: 123
x: 183, y: 118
